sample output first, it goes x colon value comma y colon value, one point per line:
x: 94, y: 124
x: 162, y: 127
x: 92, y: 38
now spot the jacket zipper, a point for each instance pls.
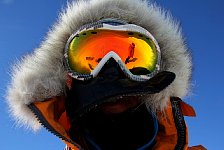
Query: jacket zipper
x: 179, y: 122
x: 45, y: 123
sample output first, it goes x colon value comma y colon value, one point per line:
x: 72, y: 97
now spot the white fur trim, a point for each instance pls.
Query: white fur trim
x: 41, y: 75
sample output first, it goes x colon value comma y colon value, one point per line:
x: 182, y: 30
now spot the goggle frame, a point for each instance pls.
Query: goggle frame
x: 120, y: 26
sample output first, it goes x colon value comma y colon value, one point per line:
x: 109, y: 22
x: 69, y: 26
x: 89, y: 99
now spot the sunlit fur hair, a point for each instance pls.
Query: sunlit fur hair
x: 41, y: 74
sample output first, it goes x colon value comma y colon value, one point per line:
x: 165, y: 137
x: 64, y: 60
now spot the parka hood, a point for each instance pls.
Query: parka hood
x: 41, y: 75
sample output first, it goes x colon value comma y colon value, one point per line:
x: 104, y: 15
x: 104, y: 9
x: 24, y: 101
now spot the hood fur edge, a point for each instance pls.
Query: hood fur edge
x: 41, y: 75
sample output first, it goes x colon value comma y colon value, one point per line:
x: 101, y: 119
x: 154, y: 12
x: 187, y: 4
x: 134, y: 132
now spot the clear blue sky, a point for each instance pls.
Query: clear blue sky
x: 24, y: 23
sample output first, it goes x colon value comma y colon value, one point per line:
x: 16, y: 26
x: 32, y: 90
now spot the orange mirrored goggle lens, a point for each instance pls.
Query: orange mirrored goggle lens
x: 87, y: 48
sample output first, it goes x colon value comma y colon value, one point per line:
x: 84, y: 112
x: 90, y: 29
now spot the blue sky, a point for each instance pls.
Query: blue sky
x: 24, y: 23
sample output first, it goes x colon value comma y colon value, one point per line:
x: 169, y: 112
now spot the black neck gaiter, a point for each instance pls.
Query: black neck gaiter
x: 129, y: 130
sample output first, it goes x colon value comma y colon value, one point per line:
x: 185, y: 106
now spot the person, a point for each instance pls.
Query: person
x: 109, y: 76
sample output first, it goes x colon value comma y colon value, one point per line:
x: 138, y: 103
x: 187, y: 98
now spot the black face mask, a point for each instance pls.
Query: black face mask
x: 108, y: 85
x: 125, y: 130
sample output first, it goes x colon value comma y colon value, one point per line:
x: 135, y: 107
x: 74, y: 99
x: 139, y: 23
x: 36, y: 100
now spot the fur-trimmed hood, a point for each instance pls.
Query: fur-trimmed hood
x: 41, y: 75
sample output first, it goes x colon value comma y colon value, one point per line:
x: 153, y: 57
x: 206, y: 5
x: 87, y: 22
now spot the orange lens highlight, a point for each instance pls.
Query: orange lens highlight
x: 87, y: 49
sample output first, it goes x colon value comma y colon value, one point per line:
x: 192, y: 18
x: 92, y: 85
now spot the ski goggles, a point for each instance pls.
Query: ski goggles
x: 133, y: 48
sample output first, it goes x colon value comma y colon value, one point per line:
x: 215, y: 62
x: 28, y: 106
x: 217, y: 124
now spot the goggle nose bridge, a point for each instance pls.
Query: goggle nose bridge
x: 105, y: 59
x: 111, y: 70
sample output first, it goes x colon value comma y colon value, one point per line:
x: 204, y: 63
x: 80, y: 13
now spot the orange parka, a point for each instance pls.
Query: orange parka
x: 172, y: 134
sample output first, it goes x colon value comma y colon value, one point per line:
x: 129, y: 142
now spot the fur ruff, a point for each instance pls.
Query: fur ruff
x: 41, y: 75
